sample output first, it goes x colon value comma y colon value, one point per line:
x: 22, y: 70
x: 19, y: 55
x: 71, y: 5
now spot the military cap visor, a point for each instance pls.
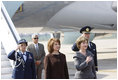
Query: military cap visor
x: 85, y: 29
x: 86, y: 32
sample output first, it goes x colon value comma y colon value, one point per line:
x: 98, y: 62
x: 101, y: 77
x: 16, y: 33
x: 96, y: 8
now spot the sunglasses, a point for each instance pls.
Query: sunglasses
x: 87, y: 33
x: 36, y: 38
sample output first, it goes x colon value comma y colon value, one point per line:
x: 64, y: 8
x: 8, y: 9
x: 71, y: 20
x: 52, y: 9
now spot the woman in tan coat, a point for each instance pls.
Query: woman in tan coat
x: 55, y: 62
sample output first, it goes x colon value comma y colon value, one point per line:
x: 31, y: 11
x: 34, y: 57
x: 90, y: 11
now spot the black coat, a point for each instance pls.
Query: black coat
x: 23, y: 71
x: 92, y: 48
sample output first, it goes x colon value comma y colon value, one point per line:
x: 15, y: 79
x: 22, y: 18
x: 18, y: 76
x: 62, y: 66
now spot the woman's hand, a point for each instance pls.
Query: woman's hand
x: 88, y: 59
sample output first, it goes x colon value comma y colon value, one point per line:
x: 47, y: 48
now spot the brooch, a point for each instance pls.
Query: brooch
x: 30, y: 56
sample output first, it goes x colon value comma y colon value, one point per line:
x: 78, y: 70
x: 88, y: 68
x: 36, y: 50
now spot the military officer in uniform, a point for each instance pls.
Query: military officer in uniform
x: 91, y: 46
x: 24, y: 67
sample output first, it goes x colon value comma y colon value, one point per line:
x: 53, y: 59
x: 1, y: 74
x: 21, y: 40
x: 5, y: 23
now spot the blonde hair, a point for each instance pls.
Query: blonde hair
x: 80, y: 40
x: 51, y: 43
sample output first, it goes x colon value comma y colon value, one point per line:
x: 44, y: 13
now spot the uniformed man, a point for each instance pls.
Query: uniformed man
x: 91, y: 46
x: 24, y: 62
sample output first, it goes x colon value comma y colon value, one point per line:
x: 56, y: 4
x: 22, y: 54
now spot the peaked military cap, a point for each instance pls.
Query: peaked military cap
x: 85, y: 29
x: 22, y: 41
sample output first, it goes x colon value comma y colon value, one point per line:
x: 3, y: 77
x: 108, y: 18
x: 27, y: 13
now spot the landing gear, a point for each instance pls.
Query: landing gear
x: 56, y: 35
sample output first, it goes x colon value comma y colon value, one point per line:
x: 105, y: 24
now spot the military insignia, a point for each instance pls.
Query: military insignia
x: 87, y: 29
x: 30, y: 56
x: 19, y: 59
x: 94, y: 49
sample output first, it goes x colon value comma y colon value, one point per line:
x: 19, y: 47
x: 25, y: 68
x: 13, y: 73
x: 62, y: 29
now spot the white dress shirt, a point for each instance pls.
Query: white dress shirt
x: 36, y: 47
x: 24, y: 55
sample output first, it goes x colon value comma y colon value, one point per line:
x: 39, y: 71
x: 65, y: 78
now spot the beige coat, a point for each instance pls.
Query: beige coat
x: 41, y: 53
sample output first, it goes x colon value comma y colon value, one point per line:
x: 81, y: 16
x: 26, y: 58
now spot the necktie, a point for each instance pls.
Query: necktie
x: 37, y: 49
x: 24, y: 56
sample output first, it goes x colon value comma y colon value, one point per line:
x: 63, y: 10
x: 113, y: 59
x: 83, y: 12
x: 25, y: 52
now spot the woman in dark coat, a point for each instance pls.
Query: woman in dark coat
x: 83, y: 61
x: 55, y: 62
x: 24, y: 62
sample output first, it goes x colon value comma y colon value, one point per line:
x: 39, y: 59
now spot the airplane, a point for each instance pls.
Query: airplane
x: 59, y: 16
x: 65, y: 16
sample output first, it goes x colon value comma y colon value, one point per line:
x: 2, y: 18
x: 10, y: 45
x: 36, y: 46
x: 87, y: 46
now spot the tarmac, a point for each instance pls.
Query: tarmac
x: 106, y: 53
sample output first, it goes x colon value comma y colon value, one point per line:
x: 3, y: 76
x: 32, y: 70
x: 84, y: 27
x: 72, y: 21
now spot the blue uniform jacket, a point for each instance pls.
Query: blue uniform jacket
x: 23, y: 71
